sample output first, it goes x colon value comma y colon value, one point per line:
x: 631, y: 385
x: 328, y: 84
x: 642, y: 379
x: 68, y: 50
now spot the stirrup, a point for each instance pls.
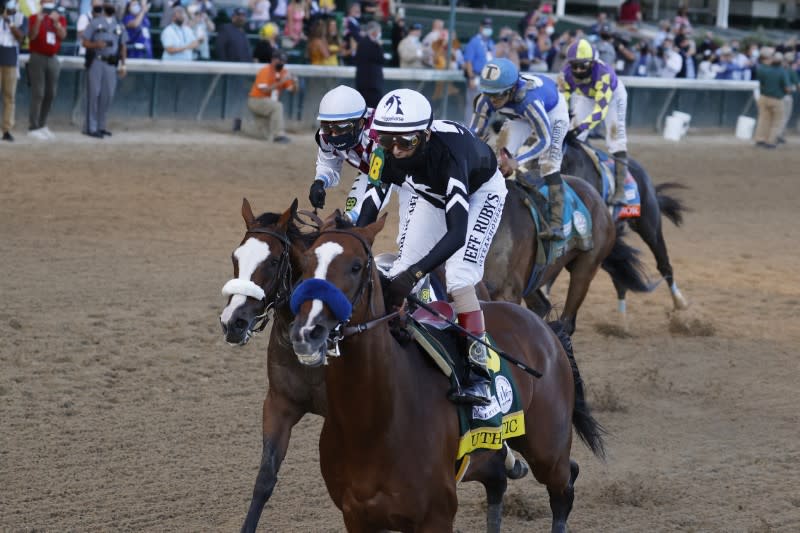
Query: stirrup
x: 551, y: 233
x: 474, y: 394
x: 618, y: 199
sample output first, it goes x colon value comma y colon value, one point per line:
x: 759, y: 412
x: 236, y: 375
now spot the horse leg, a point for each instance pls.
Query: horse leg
x: 538, y: 302
x: 279, y: 417
x: 561, y: 501
x: 622, y: 304
x: 650, y: 231
x: 581, y: 273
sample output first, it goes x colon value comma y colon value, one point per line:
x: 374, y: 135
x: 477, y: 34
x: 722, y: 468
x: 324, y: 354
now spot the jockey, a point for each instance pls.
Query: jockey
x: 598, y: 96
x: 538, y: 120
x: 343, y: 136
x: 452, y: 222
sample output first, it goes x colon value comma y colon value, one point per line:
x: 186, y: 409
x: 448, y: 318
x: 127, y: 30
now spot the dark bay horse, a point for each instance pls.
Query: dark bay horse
x: 512, y: 256
x: 655, y: 203
x: 389, y: 442
x: 266, y: 264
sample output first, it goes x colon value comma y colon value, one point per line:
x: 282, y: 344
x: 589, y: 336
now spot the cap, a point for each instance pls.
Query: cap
x: 486, y: 22
x: 240, y: 11
x: 416, y: 26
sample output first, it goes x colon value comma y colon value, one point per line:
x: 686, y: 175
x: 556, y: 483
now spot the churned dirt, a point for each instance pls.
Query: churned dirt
x: 121, y: 408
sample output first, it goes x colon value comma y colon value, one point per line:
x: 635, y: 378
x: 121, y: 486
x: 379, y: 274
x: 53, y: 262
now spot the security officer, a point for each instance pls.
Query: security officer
x: 104, y: 39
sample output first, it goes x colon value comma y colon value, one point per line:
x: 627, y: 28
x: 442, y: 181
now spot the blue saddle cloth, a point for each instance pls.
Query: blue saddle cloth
x: 606, y: 166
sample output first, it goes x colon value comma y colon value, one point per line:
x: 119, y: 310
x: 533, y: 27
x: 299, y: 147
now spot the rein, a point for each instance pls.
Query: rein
x: 281, y: 281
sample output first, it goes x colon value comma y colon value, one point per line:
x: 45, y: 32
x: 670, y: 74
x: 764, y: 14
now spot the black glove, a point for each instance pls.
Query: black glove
x: 316, y: 195
x: 572, y: 135
x: 399, y: 287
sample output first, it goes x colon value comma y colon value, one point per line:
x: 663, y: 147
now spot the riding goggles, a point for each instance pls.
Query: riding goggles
x: 404, y: 142
x: 499, y: 98
x: 580, y: 67
x: 337, y: 128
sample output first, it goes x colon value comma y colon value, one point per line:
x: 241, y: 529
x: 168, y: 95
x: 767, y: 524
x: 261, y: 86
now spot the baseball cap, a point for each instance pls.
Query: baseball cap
x: 416, y: 26
x: 486, y: 22
x: 240, y: 11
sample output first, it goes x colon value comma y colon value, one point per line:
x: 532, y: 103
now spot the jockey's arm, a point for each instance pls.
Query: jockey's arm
x: 480, y: 118
x: 540, y: 132
x: 374, y: 196
x: 602, y: 98
x: 329, y: 165
x: 457, y: 219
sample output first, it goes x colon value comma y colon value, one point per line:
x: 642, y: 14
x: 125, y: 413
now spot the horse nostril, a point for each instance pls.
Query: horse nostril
x: 240, y: 325
x: 317, y: 333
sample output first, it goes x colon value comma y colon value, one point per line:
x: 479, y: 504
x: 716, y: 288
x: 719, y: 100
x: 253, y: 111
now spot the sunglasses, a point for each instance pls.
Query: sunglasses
x: 404, y: 142
x: 335, y: 129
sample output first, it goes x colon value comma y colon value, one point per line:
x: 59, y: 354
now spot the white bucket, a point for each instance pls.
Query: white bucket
x: 685, y: 118
x: 673, y: 129
x: 745, y: 127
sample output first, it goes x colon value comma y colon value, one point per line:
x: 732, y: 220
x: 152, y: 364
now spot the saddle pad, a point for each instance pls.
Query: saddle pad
x: 606, y: 166
x: 479, y: 427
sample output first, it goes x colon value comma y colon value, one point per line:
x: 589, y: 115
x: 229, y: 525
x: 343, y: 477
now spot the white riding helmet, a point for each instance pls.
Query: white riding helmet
x: 341, y: 103
x: 401, y: 111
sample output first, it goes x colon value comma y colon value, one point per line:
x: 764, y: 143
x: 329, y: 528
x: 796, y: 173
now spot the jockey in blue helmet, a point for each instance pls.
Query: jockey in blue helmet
x: 595, y: 94
x: 538, y: 120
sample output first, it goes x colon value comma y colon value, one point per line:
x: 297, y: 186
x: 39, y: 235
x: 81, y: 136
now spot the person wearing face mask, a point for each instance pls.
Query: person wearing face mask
x: 461, y: 196
x: 178, y: 38
x: 137, y: 24
x: 232, y: 43
x: 369, y: 65
x: 106, y: 38
x: 47, y: 29
x: 478, y: 52
x: 264, y: 99
x: 83, y: 22
x: 410, y: 50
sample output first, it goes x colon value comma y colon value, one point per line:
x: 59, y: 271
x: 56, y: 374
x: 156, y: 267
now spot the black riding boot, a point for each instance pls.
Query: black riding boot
x: 555, y: 223
x: 620, y: 173
x: 476, y: 391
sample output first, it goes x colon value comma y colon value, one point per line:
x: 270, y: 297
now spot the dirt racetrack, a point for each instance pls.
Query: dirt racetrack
x: 122, y: 409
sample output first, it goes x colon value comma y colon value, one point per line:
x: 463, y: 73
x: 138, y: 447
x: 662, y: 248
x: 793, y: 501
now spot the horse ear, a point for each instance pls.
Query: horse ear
x: 247, y: 214
x: 373, y: 229
x: 330, y: 221
x: 288, y: 215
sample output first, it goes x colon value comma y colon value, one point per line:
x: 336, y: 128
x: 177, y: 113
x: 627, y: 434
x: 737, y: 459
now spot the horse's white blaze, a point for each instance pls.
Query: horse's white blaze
x: 249, y: 255
x: 325, y: 253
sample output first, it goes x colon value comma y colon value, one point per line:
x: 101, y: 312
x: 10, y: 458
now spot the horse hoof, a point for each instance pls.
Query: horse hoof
x: 679, y: 301
x: 519, y: 470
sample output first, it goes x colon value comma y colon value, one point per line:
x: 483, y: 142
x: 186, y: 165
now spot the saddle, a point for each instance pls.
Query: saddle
x: 606, y: 168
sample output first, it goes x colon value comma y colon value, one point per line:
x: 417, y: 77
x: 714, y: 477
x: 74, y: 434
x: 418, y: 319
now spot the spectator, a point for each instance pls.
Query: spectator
x: 725, y: 68
x: 178, y: 39
x: 707, y: 44
x: 203, y: 27
x: 267, y: 43
x: 296, y: 14
x: 232, y: 43
x: 437, y: 27
x: 83, y: 21
x: 12, y: 33
x: 105, y: 42
x: 410, y: 49
x: 47, y: 29
x: 773, y: 84
x: 318, y: 52
x: 600, y: 20
x: 645, y: 63
x: 510, y: 45
x: 663, y: 32
x: 399, y: 32
x: 670, y: 61
x: 260, y: 16
x: 682, y: 19
x: 138, y: 26
x: 626, y: 55
x: 562, y: 45
x: 788, y: 100
x: 706, y: 69
x: 279, y: 10
x: 167, y: 14
x: 334, y: 41
x: 688, y: 53
x: 477, y: 53
x: 369, y: 65
x: 630, y: 13
x: 352, y: 32
x: 605, y: 45
x: 264, y: 99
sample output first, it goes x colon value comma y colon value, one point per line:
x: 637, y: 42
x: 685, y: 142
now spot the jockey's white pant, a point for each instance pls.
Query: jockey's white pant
x: 355, y: 199
x: 616, y: 137
x: 517, y: 133
x: 426, y: 225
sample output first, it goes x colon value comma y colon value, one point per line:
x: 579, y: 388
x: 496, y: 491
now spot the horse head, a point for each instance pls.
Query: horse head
x: 261, y: 273
x: 339, y: 275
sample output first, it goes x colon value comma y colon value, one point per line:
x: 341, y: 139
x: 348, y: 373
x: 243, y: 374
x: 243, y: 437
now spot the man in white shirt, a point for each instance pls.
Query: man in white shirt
x: 410, y: 48
x: 671, y: 61
x: 178, y: 38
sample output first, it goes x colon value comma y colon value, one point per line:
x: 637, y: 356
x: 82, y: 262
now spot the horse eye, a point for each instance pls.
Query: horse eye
x: 273, y: 262
x: 356, y: 268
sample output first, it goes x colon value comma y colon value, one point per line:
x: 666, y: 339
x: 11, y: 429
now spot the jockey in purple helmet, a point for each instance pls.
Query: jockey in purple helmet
x: 537, y: 122
x: 595, y: 94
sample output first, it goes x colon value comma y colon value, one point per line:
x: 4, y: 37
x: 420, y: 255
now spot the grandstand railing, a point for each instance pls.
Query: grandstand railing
x: 213, y: 90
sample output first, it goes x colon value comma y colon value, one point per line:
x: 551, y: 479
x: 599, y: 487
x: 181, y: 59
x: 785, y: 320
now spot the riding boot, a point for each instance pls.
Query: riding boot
x: 620, y: 173
x: 555, y: 192
x: 476, y: 391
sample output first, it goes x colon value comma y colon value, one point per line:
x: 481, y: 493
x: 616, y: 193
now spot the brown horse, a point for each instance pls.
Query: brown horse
x: 512, y: 256
x: 265, y: 265
x: 389, y: 442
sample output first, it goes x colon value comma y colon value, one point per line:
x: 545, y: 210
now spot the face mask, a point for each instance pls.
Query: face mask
x: 136, y: 9
x: 487, y: 32
x: 279, y: 67
x: 549, y: 30
x: 179, y: 22
x: 97, y: 10
x: 109, y: 10
x: 48, y: 7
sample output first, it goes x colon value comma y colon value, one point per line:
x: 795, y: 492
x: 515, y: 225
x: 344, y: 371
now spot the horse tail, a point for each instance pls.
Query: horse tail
x: 588, y: 429
x: 624, y: 266
x: 670, y: 207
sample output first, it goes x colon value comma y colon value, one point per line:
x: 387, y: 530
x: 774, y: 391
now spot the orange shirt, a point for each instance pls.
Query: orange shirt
x: 268, y: 76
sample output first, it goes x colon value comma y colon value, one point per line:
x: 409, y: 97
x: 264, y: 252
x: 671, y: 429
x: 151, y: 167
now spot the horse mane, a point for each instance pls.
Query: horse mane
x: 294, y: 233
